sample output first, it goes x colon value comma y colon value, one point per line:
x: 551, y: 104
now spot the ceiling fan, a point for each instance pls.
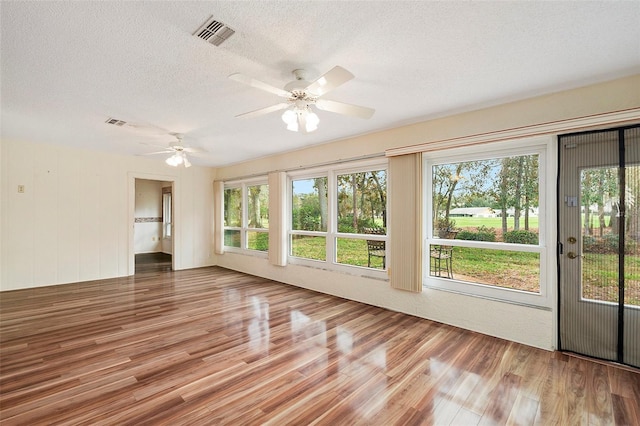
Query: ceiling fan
x: 300, y: 96
x: 179, y: 152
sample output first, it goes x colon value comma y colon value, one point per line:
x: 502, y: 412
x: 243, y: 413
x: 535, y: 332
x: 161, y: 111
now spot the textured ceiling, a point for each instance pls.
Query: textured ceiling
x: 68, y: 66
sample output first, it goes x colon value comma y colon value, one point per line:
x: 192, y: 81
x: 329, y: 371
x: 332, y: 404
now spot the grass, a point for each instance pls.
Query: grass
x: 309, y: 247
x: 349, y: 251
x: 600, y: 278
x: 492, y: 222
x: 354, y: 252
x: 501, y: 268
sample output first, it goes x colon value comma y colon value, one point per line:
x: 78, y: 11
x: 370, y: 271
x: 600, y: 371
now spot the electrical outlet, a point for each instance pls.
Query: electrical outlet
x: 20, y: 189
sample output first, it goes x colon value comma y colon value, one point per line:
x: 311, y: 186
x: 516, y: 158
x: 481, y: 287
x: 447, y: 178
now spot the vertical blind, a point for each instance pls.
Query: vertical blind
x: 405, y: 222
x: 218, y: 217
x: 277, y: 218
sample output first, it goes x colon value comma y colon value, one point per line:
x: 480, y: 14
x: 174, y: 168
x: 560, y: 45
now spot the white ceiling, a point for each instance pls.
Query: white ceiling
x: 68, y: 66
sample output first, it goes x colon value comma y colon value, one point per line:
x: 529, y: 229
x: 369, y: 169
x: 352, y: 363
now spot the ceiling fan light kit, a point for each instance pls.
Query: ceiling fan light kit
x: 301, y: 95
x: 304, y: 118
x: 178, y: 158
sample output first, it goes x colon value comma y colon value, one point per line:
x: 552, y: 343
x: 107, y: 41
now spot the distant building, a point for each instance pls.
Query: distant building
x: 473, y: 212
x: 487, y: 212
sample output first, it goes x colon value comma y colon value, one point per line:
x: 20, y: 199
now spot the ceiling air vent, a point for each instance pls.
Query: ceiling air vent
x: 115, y: 122
x: 215, y: 32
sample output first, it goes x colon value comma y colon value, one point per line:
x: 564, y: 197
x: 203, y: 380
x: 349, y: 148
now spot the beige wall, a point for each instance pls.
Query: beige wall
x: 530, y: 325
x: 74, y: 220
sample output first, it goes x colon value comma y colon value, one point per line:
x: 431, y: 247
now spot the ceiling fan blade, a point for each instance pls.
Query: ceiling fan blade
x: 266, y: 110
x: 241, y: 78
x: 162, y: 145
x: 194, y: 150
x: 158, y: 152
x: 335, y: 77
x: 346, y: 109
x: 146, y: 128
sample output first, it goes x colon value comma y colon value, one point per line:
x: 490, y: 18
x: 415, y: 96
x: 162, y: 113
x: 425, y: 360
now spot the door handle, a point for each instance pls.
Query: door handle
x: 572, y: 255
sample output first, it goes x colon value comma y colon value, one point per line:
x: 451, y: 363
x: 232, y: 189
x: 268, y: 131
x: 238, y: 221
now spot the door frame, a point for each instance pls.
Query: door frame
x: 131, y: 207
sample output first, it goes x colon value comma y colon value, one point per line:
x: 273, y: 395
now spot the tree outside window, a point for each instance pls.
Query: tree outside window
x: 258, y: 217
x: 246, y: 216
x: 494, y: 201
x: 340, y: 218
x: 232, y: 217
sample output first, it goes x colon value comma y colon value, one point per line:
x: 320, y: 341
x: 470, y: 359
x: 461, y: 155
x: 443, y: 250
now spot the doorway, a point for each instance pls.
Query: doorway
x: 599, y: 244
x: 153, y: 226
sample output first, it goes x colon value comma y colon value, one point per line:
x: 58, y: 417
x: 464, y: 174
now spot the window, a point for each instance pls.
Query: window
x: 339, y: 216
x: 309, y: 217
x: 246, y: 216
x: 166, y: 212
x: 486, y: 221
x: 258, y: 217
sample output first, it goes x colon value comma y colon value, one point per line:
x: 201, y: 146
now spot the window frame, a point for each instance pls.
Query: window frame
x: 244, y: 228
x: 167, y: 213
x: 542, y: 146
x: 331, y: 236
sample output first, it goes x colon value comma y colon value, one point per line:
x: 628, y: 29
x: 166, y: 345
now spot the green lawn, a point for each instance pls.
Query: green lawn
x: 600, y: 278
x: 492, y: 222
x: 309, y: 247
x: 502, y: 268
x: 350, y: 251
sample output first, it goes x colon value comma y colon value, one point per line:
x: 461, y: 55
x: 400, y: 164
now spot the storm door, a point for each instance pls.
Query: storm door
x: 599, y: 244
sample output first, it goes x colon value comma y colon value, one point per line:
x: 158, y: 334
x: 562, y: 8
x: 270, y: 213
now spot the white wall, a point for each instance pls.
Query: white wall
x: 530, y: 325
x: 148, y: 235
x: 74, y: 220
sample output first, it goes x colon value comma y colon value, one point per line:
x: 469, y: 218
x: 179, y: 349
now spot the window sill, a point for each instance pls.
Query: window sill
x: 512, y: 297
x: 380, y: 275
x: 246, y: 252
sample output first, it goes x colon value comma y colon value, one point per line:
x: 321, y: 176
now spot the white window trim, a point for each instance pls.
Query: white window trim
x: 331, y: 172
x: 167, y: 229
x: 544, y: 147
x: 244, y: 229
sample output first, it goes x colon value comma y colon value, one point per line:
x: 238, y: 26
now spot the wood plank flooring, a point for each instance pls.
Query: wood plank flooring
x: 213, y: 346
x: 152, y: 262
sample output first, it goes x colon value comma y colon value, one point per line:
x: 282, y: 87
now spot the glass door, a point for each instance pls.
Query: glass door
x: 599, y: 244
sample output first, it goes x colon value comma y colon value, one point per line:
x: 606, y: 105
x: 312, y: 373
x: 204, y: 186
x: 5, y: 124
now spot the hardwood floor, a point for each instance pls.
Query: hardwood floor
x: 152, y: 262
x: 213, y: 346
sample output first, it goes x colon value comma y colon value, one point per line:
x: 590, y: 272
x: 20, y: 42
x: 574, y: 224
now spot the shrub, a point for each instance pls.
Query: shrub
x: 262, y: 241
x: 482, y: 233
x: 521, y: 237
x: 345, y: 224
x: 442, y: 223
x: 306, y: 218
x: 590, y: 244
x: 611, y: 243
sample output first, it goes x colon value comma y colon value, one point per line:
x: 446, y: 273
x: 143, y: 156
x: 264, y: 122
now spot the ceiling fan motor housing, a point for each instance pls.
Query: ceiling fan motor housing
x: 301, y: 95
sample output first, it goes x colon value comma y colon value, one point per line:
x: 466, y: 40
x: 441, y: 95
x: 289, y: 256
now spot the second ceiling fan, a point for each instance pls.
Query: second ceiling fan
x: 300, y: 95
x: 178, y: 151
